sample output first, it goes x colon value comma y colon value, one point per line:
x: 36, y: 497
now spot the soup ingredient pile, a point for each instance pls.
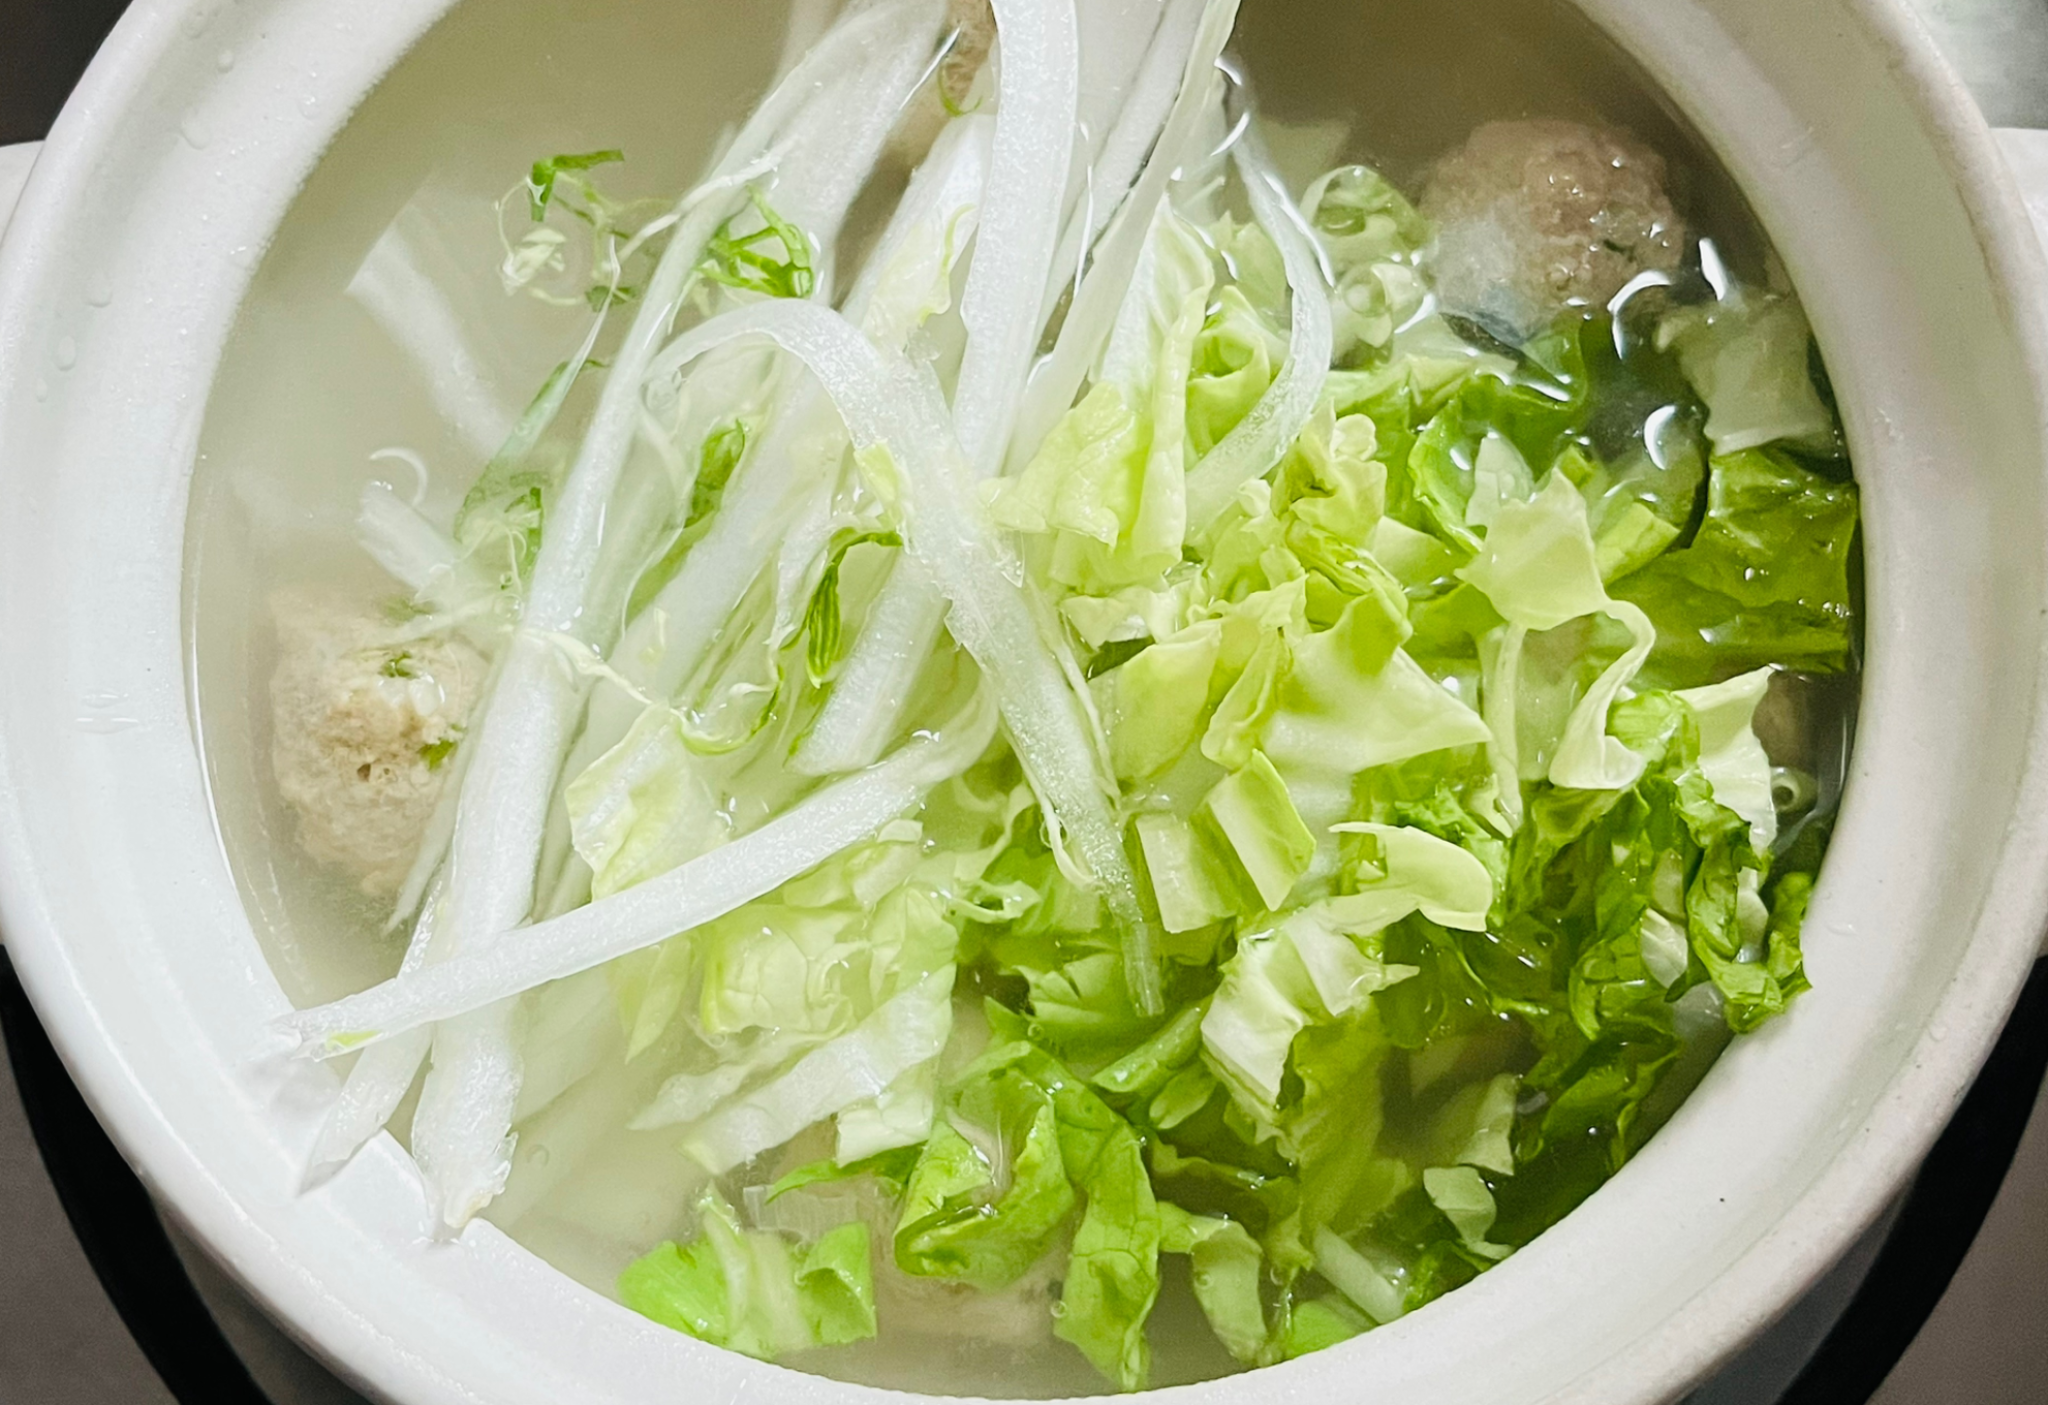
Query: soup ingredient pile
x: 1123, y: 713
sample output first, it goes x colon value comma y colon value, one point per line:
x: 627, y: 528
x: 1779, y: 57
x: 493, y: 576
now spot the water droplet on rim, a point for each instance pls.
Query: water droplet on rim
x: 225, y: 61
x: 67, y: 354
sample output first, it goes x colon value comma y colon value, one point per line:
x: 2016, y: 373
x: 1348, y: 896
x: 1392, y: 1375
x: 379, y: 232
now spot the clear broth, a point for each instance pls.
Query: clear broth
x: 311, y: 387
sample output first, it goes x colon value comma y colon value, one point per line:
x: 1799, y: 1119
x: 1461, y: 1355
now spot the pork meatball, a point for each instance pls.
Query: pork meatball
x: 362, y: 729
x: 1536, y: 216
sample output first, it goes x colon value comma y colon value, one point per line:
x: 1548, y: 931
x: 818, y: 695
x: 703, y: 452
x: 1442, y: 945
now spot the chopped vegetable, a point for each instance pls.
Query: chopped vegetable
x: 1175, y: 720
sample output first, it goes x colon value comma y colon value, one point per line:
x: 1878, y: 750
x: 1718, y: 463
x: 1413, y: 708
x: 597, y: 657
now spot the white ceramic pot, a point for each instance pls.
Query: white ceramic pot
x: 119, y: 280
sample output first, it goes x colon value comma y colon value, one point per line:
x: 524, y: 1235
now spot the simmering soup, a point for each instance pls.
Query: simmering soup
x: 1022, y: 699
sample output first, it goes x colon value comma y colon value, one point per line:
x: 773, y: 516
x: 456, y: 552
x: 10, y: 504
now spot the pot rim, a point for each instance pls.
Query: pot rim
x: 1844, y: 1199
x: 1862, y: 1182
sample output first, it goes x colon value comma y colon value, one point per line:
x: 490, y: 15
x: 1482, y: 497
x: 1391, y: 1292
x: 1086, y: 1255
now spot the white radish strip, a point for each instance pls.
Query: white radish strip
x: 1122, y: 157
x: 787, y: 475
x: 461, y: 1133
x: 702, y: 890
x: 807, y: 24
x: 858, y: 718
x: 1115, y: 38
x: 572, y: 1028
x: 786, y: 482
x: 873, y: 689
x: 778, y: 486
x: 817, y: 180
x: 889, y: 405
x: 412, y: 550
x: 1262, y: 437
x: 1058, y: 379
x: 408, y: 304
x: 428, y: 862
x: 378, y: 1083
x: 906, y: 1031
x: 858, y: 721
x: 1037, y: 96
x: 934, y: 221
x: 867, y: 705
x: 374, y: 1089
x: 576, y: 523
x: 937, y: 217
x: 816, y: 185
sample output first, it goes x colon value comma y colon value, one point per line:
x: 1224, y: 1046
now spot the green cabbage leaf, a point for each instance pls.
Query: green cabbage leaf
x: 755, y: 1292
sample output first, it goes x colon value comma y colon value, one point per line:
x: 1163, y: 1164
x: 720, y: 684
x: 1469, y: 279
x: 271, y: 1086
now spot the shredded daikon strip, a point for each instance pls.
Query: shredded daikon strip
x: 1115, y: 40
x: 891, y: 407
x: 1037, y: 94
x: 706, y: 888
x: 413, y: 550
x: 873, y: 688
x: 1122, y: 156
x: 461, y: 1132
x: 410, y: 304
x: 1037, y: 100
x: 938, y: 215
x: 1261, y: 439
x: 1058, y: 379
x: 378, y: 1083
x: 859, y: 720
x: 781, y: 495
